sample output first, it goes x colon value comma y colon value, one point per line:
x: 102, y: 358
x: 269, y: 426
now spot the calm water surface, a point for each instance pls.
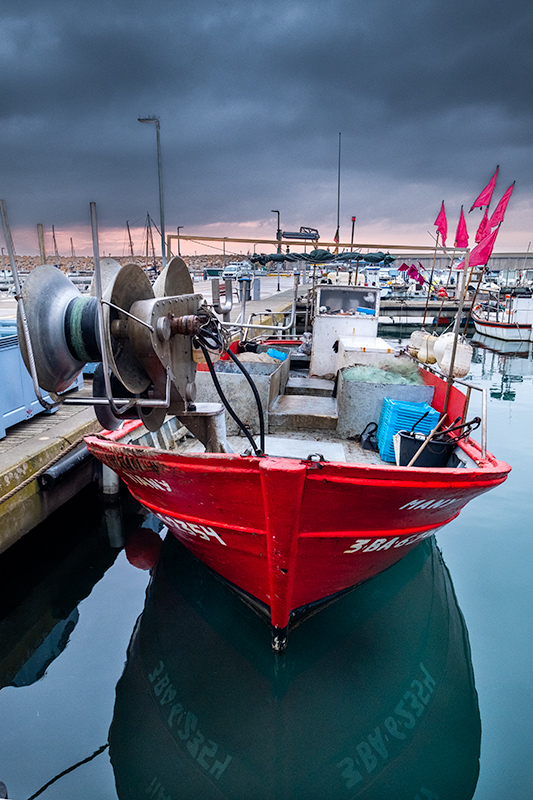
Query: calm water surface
x: 417, y: 685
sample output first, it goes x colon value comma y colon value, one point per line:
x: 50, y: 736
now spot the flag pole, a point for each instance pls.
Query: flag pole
x: 456, y: 327
x: 446, y: 290
x: 481, y: 274
x: 431, y: 278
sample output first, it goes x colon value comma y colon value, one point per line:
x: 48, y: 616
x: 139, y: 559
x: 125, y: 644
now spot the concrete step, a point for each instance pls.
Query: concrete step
x: 316, y: 387
x: 293, y: 412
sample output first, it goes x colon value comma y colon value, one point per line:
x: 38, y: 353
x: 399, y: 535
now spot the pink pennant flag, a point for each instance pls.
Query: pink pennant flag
x: 483, y: 229
x: 441, y: 223
x: 481, y: 254
x: 486, y: 195
x: 461, y: 237
x: 499, y: 212
x: 415, y: 275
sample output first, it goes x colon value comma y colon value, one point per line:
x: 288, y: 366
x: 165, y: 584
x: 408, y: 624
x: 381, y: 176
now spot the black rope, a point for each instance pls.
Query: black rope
x: 246, y: 374
x: 70, y: 769
x: 225, y: 401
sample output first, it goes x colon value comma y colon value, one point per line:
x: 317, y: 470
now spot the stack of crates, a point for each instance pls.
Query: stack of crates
x: 400, y: 416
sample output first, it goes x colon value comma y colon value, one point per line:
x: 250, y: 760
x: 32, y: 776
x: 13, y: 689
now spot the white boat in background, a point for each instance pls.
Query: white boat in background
x: 510, y: 319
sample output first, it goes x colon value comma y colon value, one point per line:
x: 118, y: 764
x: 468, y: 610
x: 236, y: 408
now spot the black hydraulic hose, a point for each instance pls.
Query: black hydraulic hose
x: 231, y: 412
x: 257, y: 398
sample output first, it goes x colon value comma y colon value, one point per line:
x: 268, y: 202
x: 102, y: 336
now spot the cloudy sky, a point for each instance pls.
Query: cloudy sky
x: 429, y: 97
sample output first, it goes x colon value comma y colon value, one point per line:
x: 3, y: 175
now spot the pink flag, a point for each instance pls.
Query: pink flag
x: 415, y: 275
x: 486, y: 195
x: 481, y: 254
x: 441, y: 223
x: 499, y: 212
x: 461, y: 237
x: 483, y: 229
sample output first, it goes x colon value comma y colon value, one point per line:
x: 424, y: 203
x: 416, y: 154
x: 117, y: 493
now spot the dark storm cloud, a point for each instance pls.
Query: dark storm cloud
x: 251, y: 97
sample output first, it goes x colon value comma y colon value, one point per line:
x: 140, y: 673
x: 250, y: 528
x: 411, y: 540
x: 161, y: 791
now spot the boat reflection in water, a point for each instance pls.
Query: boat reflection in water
x: 375, y: 697
x: 522, y: 349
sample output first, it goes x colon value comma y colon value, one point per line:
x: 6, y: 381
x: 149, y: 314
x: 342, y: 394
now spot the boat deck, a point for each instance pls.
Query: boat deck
x: 297, y: 444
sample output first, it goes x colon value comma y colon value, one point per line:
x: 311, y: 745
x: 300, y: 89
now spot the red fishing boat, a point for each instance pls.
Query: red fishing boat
x: 311, y: 510
x: 292, y: 532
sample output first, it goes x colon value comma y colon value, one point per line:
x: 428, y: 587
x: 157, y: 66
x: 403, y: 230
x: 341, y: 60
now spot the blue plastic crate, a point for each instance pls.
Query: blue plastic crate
x: 397, y: 415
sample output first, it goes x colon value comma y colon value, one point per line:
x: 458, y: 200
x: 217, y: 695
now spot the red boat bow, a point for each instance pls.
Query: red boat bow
x: 290, y: 532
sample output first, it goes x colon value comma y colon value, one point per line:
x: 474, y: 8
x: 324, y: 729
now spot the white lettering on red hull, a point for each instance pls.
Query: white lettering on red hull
x: 423, y: 504
x: 150, y: 483
x: 190, y: 528
x: 377, y: 544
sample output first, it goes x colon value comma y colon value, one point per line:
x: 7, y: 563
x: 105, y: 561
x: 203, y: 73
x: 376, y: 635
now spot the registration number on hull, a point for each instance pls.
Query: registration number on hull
x: 385, y: 543
x: 190, y: 528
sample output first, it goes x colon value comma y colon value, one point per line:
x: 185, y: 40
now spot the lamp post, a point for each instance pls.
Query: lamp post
x: 179, y: 229
x: 278, y: 237
x: 278, y: 232
x: 155, y: 121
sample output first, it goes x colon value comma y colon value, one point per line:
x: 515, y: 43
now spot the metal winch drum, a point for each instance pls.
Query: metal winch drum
x: 144, y: 337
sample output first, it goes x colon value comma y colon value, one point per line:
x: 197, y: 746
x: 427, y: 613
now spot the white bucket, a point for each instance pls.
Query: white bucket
x: 440, y: 345
x: 462, y: 360
x: 426, y: 354
x: 415, y: 341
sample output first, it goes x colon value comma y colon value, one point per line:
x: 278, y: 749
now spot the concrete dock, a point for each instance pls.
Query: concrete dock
x: 27, y: 450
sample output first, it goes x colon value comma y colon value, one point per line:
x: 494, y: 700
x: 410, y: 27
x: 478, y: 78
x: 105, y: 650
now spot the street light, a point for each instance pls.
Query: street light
x: 278, y: 233
x: 179, y: 229
x: 155, y: 121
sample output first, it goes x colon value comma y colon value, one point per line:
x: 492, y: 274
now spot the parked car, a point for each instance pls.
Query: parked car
x: 231, y: 271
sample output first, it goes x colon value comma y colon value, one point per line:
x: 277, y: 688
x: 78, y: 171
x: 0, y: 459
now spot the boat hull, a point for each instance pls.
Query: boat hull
x: 290, y: 532
x: 506, y: 331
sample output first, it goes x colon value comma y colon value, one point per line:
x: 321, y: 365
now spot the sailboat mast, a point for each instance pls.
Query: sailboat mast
x: 147, y: 226
x: 56, y: 253
x: 129, y: 237
x: 151, y: 240
x: 338, y: 197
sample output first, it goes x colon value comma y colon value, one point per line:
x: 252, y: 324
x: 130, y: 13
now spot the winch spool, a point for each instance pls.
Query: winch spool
x: 108, y: 270
x: 126, y: 287
x: 104, y: 413
x: 174, y: 280
x: 62, y: 325
x: 147, y: 339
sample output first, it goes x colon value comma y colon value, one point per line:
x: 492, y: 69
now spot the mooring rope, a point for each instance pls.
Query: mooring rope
x: 70, y: 769
x: 39, y: 472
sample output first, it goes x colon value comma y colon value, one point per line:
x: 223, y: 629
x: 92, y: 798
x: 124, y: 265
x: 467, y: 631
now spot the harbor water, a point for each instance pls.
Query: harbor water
x: 131, y: 672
